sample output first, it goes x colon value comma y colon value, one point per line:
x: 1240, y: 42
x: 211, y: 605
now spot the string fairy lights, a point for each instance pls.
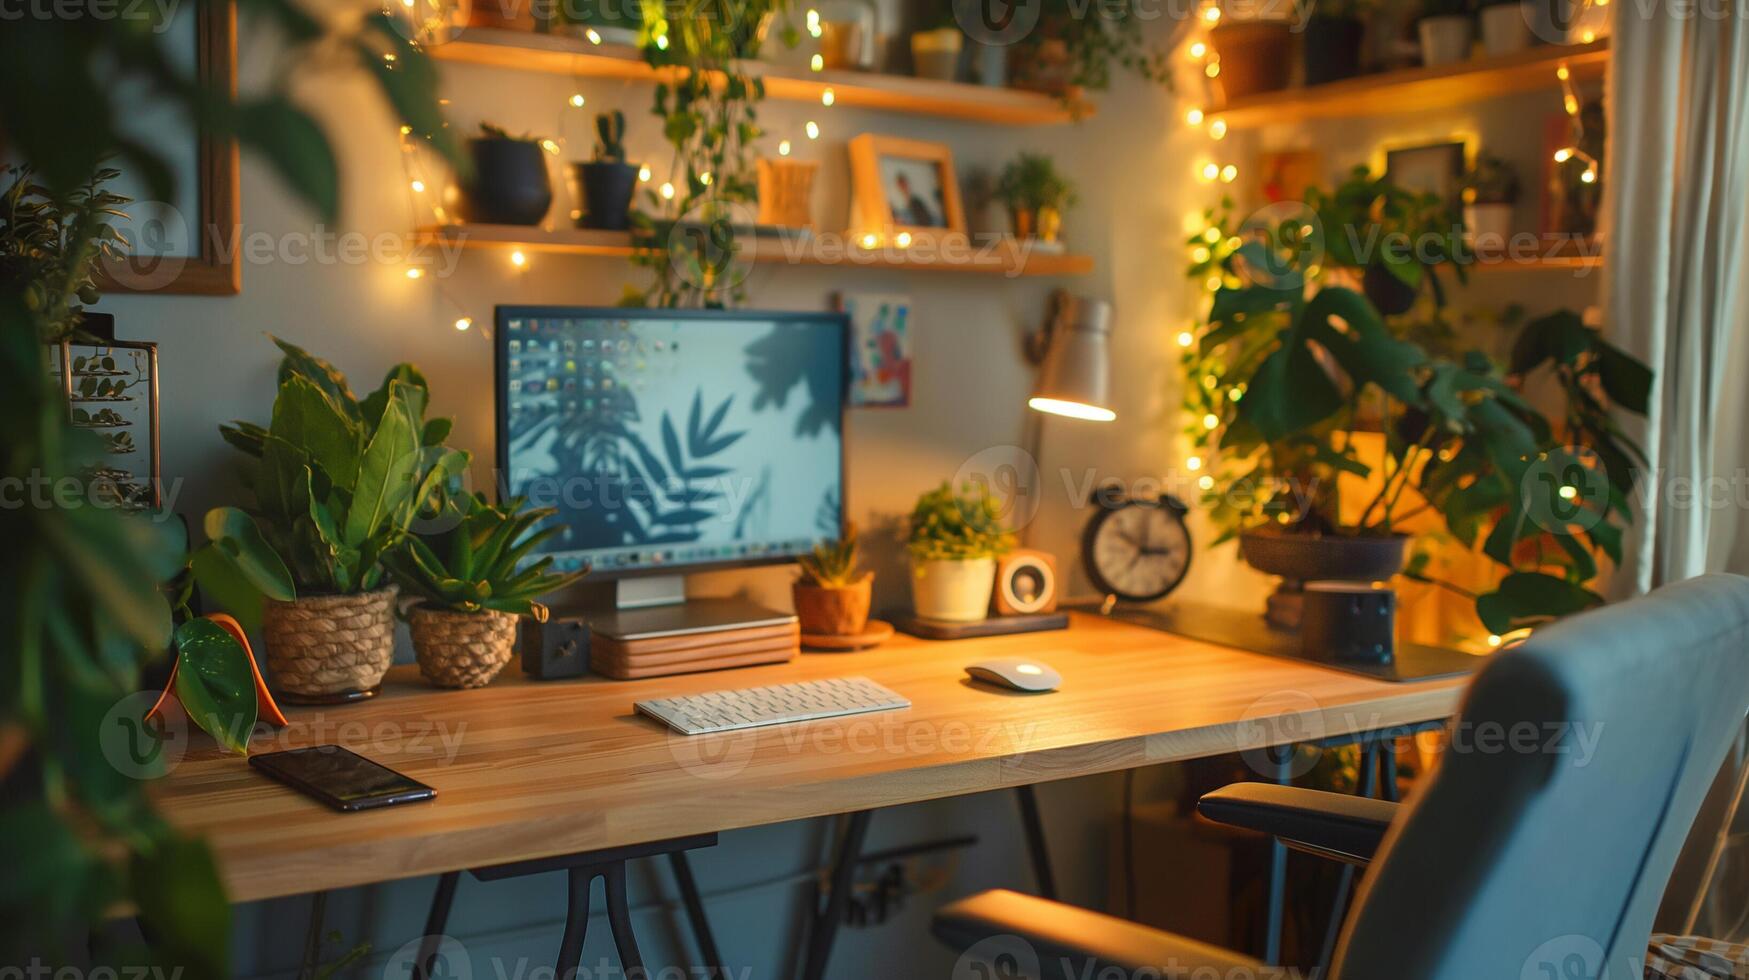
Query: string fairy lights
x: 1575, y: 125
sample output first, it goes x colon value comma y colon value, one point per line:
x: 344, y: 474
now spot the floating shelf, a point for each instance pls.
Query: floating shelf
x: 954, y: 254
x: 1419, y: 89
x: 564, y: 55
x: 1567, y: 263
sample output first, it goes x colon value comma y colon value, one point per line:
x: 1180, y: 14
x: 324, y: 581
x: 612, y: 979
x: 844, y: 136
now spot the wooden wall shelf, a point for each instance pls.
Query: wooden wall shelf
x: 564, y: 55
x: 957, y: 254
x: 1419, y: 89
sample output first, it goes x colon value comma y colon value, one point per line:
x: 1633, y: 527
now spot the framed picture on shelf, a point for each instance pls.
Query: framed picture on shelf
x: 112, y: 392
x: 1284, y: 175
x: 880, y: 349
x: 1437, y: 168
x: 901, y: 185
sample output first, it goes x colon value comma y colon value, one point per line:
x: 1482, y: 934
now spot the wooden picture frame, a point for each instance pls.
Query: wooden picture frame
x: 1436, y: 168
x: 212, y: 269
x: 883, y: 169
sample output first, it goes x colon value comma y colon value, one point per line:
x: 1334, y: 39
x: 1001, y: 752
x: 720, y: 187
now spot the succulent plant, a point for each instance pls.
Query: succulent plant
x: 610, y: 127
x: 474, y: 566
x: 833, y: 563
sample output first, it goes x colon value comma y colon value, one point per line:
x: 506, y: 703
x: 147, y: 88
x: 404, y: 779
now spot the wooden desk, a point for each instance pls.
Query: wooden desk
x: 526, y: 770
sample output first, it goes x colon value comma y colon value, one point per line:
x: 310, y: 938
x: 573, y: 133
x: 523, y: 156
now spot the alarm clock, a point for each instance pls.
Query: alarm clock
x: 1137, y: 550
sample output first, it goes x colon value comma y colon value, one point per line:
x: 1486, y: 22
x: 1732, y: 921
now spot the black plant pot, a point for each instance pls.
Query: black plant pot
x: 1390, y: 294
x: 1302, y: 558
x: 510, y: 185
x: 1333, y: 46
x: 607, y: 194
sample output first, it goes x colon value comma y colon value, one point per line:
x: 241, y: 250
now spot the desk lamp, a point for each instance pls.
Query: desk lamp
x: 1074, y: 347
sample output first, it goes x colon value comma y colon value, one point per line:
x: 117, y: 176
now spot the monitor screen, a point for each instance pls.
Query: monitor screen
x: 673, y: 440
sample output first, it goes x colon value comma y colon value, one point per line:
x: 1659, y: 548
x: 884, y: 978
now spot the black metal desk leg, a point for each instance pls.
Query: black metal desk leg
x: 313, y: 935
x: 701, y: 926
x: 1369, y: 750
x: 827, y: 920
x: 1281, y: 760
x: 1388, y: 769
x: 576, y: 921
x: 436, y: 921
x: 1035, y: 842
x: 619, y: 921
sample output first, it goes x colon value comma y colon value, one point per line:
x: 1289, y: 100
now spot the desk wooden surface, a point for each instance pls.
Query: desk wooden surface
x: 525, y: 769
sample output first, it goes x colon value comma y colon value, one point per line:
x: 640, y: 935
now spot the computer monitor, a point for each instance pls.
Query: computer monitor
x: 673, y: 441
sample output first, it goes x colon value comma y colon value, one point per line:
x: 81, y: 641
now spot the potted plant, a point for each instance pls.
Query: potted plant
x: 607, y: 183
x: 469, y: 586
x: 1069, y: 51
x: 1446, y: 31
x: 605, y: 21
x: 1334, y: 39
x: 1293, y: 366
x: 509, y: 185
x: 1036, y: 193
x: 832, y: 596
x: 337, y: 483
x: 954, y: 543
x: 1392, y: 276
x: 1490, y: 189
x: 1505, y: 26
x: 1255, y: 56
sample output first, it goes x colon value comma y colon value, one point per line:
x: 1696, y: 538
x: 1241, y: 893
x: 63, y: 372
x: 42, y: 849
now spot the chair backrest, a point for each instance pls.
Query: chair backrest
x: 1541, y: 847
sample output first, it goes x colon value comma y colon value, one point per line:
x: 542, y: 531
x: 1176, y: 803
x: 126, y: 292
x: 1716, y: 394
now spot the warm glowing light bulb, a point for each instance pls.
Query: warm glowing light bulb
x: 813, y: 130
x: 1194, y: 117
x: 1198, y: 49
x: 1186, y: 338
x: 1587, y: 36
x: 667, y: 190
x: 464, y: 323
x: 1562, y: 73
x: 418, y: 187
x: 869, y: 240
x: 1563, y: 154
x: 415, y: 273
x: 1212, y: 283
x: 783, y: 148
x: 661, y: 42
x: 828, y: 97
x: 1206, y: 482
x: 406, y: 130
x: 593, y: 36
x: 902, y: 239
x: 817, y: 63
x: 389, y: 58
x: 1210, y: 421
x: 1213, y: 70
x: 1210, y: 171
x: 1218, y: 129
x: 1229, y: 172
x: 1212, y: 235
x: 1589, y: 177
x: 1199, y: 254
x: 1212, y: 14
x: 1193, y: 463
x: 1569, y: 492
x: 1493, y: 639
x: 643, y: 175
x: 518, y: 259
x: 578, y: 100
x: 705, y: 178
x: 550, y: 147
x: 1572, y: 106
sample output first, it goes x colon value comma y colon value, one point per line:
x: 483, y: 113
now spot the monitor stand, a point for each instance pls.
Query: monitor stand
x: 648, y: 608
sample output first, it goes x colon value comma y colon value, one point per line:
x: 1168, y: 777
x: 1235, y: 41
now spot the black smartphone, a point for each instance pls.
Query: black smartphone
x: 341, y: 778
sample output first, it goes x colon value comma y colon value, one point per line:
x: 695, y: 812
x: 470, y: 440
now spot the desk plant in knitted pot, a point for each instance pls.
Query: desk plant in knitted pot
x: 470, y: 589
x: 955, y: 541
x: 337, y: 483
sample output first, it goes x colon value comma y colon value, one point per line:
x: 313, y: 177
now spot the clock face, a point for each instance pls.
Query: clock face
x: 1138, y: 550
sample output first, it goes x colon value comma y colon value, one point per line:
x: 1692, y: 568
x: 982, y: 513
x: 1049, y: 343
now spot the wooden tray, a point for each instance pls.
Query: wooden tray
x: 874, y: 634
x: 686, y: 653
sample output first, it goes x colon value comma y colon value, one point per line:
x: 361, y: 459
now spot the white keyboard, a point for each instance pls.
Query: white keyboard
x: 723, y: 711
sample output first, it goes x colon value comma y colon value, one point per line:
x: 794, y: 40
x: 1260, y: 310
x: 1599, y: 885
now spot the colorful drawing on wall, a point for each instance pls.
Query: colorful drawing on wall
x: 880, y: 349
x: 1284, y: 175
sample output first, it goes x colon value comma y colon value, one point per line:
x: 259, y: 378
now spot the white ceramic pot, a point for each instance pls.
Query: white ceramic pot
x: 1445, y: 39
x: 1505, y: 28
x: 958, y: 591
x: 1489, y: 227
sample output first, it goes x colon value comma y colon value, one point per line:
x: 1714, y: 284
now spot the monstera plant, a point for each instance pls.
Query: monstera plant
x: 1292, y: 365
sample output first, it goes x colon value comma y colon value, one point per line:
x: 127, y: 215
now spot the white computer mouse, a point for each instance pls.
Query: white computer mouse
x: 1017, y: 673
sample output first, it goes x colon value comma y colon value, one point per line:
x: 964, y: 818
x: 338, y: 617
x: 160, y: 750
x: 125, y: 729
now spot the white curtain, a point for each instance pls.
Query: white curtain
x: 1677, y: 184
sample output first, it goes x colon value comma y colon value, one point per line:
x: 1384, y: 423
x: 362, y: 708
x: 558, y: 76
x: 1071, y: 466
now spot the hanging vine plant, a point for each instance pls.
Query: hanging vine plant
x: 689, y: 222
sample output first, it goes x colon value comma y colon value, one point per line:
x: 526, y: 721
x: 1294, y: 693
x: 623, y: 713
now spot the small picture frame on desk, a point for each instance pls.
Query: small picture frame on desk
x: 904, y: 187
x: 111, y: 389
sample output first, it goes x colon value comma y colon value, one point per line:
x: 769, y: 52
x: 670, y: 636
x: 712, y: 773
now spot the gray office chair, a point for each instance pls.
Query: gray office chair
x: 1540, y: 848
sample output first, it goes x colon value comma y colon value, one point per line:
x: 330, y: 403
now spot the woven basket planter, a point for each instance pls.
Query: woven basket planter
x: 330, y: 647
x: 461, y: 649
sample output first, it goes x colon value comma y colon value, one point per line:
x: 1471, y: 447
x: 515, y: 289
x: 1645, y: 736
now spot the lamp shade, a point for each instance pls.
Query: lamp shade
x: 1075, y: 377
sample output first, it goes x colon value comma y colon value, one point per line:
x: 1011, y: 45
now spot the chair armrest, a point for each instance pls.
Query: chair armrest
x: 1070, y: 943
x: 1334, y: 825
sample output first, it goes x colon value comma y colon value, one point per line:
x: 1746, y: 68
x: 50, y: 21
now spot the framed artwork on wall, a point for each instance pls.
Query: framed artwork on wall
x: 187, y: 245
x: 1437, y: 168
x: 112, y: 392
x: 880, y: 349
x: 901, y: 185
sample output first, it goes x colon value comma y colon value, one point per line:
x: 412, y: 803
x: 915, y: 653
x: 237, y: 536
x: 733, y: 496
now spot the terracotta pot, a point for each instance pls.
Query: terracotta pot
x: 509, y: 15
x: 826, y: 610
x: 1255, y: 57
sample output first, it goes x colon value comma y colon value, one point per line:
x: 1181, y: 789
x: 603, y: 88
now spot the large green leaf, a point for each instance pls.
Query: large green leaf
x: 215, y: 684
x: 119, y: 563
x: 225, y: 586
x: 325, y: 375
x: 386, y: 473
x: 307, y: 417
x: 1524, y: 598
x: 415, y: 390
x: 237, y: 539
x: 1366, y: 349
x: 176, y: 885
x: 295, y: 146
